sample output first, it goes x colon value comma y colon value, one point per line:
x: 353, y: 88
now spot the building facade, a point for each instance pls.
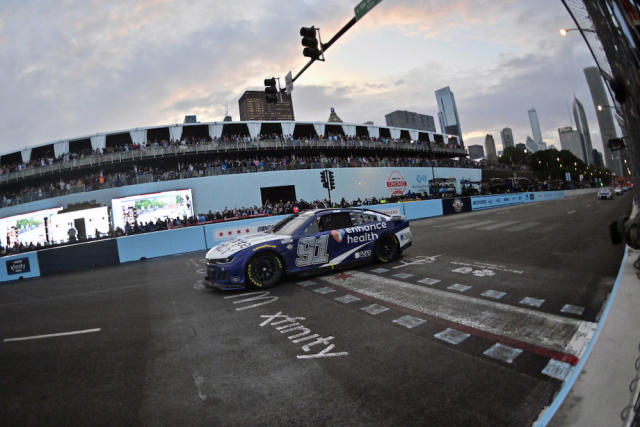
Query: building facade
x: 490, y: 146
x: 582, y: 126
x: 598, y: 161
x: 410, y: 120
x: 506, y: 135
x: 531, y: 145
x: 253, y: 106
x: 535, y: 127
x: 571, y: 140
x: 448, y: 113
x: 612, y: 159
x: 476, y: 152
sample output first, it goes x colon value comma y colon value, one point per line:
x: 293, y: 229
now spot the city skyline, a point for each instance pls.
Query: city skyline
x: 99, y: 67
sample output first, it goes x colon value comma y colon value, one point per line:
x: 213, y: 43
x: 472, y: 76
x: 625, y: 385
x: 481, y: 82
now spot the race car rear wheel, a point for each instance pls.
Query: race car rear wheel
x: 387, y: 248
x: 264, y: 271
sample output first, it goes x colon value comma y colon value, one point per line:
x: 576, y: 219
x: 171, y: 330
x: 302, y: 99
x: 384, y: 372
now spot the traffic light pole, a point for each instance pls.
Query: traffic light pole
x: 327, y: 45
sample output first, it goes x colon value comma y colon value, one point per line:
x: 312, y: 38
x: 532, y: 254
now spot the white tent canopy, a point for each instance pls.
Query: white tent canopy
x: 374, y: 132
x: 99, y: 142
x: 349, y: 130
x: 215, y: 130
x: 175, y: 132
x: 287, y: 128
x: 254, y: 129
x: 319, y: 127
x: 414, y: 134
x: 139, y: 136
x: 60, y: 148
x: 395, y: 133
x: 26, y: 155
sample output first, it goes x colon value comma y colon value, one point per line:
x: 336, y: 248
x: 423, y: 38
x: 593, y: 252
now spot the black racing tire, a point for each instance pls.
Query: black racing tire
x: 264, y: 271
x: 387, y: 248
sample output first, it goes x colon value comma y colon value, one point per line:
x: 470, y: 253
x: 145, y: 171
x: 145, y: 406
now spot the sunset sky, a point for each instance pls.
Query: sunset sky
x: 72, y: 68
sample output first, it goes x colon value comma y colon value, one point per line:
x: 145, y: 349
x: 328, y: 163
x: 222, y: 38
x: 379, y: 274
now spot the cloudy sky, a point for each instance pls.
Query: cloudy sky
x: 70, y: 68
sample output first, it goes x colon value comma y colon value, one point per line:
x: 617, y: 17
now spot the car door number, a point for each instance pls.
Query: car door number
x: 312, y: 250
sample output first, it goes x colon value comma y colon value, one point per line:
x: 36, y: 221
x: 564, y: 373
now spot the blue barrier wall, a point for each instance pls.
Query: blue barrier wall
x: 218, y: 233
x: 423, y: 209
x: 7, y: 262
x: 497, y: 200
x: 161, y: 243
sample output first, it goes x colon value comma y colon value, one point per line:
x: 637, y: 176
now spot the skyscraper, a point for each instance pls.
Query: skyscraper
x: 253, y: 106
x: 490, y: 146
x: 535, y: 127
x: 531, y: 145
x: 410, y: 120
x: 571, y: 140
x: 612, y: 159
x: 597, y: 159
x: 506, y: 135
x: 582, y: 126
x: 448, y: 113
x: 476, y: 151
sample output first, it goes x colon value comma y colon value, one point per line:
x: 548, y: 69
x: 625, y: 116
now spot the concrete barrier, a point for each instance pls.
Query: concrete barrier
x: 77, y: 257
x: 423, y: 209
x: 161, y: 243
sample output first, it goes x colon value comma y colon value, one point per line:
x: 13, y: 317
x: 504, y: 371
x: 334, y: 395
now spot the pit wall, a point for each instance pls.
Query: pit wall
x: 107, y: 252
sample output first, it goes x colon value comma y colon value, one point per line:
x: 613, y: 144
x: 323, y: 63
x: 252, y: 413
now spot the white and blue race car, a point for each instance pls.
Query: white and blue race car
x: 307, y: 242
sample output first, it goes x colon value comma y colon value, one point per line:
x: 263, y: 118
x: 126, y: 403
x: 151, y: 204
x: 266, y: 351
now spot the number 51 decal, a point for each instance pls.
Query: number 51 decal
x: 312, y: 250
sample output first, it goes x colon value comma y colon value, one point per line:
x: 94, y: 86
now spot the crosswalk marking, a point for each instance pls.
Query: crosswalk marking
x: 473, y: 225
x: 522, y: 226
x: 498, y: 225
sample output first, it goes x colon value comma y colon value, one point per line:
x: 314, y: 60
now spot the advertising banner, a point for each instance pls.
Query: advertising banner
x: 456, y: 205
x: 18, y: 266
x: 494, y: 201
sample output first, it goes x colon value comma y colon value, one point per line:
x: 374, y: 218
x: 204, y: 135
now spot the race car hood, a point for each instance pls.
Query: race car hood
x: 235, y: 245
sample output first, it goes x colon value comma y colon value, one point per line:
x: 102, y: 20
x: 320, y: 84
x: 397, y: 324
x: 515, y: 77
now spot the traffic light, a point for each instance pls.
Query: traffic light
x: 270, y: 90
x: 323, y: 178
x: 332, y: 184
x: 310, y: 42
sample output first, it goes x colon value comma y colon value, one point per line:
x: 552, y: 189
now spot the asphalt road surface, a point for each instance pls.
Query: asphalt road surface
x: 477, y: 324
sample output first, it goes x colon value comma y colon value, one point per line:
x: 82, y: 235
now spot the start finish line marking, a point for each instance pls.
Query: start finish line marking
x: 59, y: 334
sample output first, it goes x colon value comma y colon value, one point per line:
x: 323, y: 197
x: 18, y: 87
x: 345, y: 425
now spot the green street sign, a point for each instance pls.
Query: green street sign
x: 363, y: 7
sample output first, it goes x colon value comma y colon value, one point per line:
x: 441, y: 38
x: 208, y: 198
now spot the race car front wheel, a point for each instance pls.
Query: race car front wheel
x: 264, y: 271
x: 387, y: 248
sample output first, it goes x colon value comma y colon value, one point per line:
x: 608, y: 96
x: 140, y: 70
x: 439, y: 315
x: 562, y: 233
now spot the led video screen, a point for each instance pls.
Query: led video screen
x: 27, y: 228
x: 83, y: 224
x: 145, y: 208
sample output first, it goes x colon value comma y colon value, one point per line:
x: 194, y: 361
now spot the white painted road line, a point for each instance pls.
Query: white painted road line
x: 555, y: 332
x: 374, y: 309
x: 498, y: 225
x: 572, y: 309
x: 409, y: 322
x: 452, y: 336
x: 571, y: 212
x: 306, y: 283
x: 503, y: 352
x: 59, y: 334
x: 324, y: 290
x: 379, y: 270
x: 533, y: 302
x: 474, y: 224
x: 557, y: 369
x: 347, y: 299
x: 403, y: 275
x: 429, y: 281
x: 493, y: 294
x: 522, y: 226
x: 459, y: 288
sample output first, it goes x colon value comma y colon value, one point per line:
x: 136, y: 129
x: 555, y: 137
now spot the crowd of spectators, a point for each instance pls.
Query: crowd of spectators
x: 48, y: 158
x: 96, y: 180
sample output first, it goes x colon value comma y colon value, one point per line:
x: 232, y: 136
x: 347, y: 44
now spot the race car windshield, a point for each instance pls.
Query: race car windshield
x: 290, y: 224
